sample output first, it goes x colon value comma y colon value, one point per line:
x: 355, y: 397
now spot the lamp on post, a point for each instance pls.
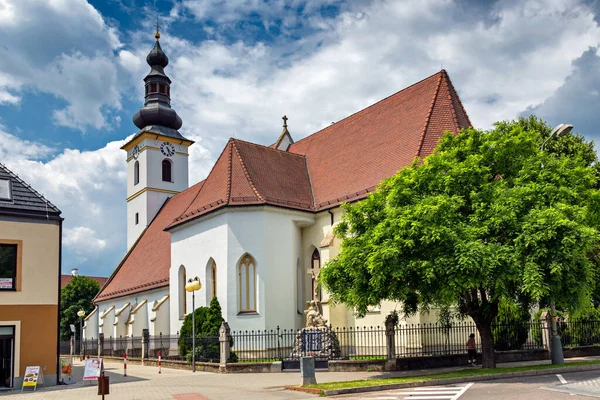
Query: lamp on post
x: 191, y: 286
x: 81, y: 314
x: 556, y: 352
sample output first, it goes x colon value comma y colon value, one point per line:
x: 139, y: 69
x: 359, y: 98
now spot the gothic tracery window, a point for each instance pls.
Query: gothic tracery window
x: 213, y: 278
x: 247, y: 284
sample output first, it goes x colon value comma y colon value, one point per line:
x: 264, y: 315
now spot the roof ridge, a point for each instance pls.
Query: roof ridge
x: 252, y: 185
x: 455, y: 93
x: 28, y: 186
x: 229, y: 167
x: 267, y: 147
x: 452, y: 110
x: 367, y: 107
x: 429, y: 113
x: 200, y: 190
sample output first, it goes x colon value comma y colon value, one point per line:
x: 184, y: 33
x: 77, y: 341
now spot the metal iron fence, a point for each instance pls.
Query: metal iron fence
x: 350, y: 343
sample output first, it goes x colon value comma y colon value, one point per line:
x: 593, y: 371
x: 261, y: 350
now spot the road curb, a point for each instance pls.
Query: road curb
x: 448, y: 381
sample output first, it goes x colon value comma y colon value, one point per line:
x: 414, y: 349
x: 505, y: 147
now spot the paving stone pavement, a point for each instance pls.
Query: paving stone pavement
x: 144, y: 383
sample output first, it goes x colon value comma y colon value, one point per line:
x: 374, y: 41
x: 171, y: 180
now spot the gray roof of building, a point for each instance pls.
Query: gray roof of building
x: 25, y: 199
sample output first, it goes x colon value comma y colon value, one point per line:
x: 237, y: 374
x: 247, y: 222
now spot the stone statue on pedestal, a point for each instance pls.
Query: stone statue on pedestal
x: 316, y: 338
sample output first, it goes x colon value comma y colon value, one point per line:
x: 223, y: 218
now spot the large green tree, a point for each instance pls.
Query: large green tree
x: 488, y: 216
x: 76, y: 295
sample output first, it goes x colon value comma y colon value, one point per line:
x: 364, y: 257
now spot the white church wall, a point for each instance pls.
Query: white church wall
x: 142, y: 318
x: 192, y: 246
x: 90, y: 325
x: 270, y: 235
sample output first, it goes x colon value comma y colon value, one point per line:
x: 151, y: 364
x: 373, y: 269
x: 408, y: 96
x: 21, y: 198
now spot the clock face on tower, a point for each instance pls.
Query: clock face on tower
x: 167, y: 149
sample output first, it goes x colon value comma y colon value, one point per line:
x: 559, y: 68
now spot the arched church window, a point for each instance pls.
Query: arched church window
x: 247, y: 284
x: 166, y: 171
x: 182, y: 292
x: 315, y: 269
x: 213, y: 279
x: 136, y: 173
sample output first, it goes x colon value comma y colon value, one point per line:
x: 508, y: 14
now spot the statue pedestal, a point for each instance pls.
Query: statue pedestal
x: 318, y: 342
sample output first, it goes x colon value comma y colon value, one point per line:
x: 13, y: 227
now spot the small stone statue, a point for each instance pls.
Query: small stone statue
x: 314, y: 319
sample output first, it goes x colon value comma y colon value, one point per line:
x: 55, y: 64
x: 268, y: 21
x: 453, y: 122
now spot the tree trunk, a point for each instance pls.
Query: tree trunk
x: 488, y: 356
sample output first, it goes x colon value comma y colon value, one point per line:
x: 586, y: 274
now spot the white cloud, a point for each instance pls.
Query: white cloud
x: 368, y: 53
x: 88, y: 187
x: 63, y: 48
x: 83, y: 239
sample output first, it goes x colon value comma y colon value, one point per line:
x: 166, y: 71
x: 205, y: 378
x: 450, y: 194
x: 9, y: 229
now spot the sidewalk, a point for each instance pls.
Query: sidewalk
x: 144, y: 383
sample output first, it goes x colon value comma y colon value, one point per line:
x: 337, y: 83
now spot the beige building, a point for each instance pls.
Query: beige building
x: 30, y: 257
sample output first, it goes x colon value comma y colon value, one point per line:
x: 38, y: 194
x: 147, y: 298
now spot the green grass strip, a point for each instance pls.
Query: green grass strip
x: 454, y: 374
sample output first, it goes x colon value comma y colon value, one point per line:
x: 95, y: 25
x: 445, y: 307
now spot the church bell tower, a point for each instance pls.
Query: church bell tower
x: 157, y: 156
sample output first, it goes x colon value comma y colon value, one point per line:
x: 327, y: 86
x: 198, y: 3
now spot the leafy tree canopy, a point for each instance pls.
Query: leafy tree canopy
x: 76, y: 295
x: 488, y: 216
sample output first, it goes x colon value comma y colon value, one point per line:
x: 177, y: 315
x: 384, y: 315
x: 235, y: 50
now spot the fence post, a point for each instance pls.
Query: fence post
x: 224, y: 345
x: 100, y: 345
x: 145, y: 343
x: 390, y: 344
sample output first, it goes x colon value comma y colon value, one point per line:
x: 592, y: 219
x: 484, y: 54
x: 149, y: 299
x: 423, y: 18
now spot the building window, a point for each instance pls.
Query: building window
x: 168, y: 91
x: 213, y: 278
x: 147, y: 90
x: 182, y: 292
x: 315, y: 267
x: 153, y: 88
x: 137, y: 218
x: 8, y: 266
x: 136, y: 173
x: 247, y: 284
x: 163, y: 88
x: 166, y: 171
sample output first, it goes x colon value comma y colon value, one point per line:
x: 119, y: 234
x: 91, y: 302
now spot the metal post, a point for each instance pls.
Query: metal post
x: 556, y: 351
x: 81, y: 339
x: 193, y: 332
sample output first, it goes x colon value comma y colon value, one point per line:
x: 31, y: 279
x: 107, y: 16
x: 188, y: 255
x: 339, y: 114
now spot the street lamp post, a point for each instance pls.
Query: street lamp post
x: 556, y: 352
x: 81, y: 314
x: 191, y: 286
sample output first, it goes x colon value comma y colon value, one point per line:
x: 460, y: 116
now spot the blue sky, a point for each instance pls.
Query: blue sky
x: 71, y: 78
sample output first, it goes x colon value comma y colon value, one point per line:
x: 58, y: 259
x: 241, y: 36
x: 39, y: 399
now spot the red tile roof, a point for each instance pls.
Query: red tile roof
x: 65, y: 279
x: 146, y: 265
x: 342, y: 162
x: 251, y: 174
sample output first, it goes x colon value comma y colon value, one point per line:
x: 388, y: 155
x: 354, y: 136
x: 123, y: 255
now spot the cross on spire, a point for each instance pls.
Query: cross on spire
x: 157, y: 34
x: 284, y: 118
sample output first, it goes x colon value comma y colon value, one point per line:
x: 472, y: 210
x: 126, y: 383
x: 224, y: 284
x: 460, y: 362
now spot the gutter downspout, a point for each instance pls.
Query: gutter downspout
x: 330, y: 213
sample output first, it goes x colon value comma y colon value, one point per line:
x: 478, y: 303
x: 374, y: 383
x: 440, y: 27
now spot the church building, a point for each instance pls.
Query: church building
x: 258, y: 229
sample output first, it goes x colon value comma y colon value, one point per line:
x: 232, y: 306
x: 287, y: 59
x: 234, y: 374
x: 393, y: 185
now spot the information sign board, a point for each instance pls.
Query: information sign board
x: 93, y: 368
x: 33, y: 375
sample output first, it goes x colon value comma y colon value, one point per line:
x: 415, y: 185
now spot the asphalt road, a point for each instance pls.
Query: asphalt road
x: 579, y: 385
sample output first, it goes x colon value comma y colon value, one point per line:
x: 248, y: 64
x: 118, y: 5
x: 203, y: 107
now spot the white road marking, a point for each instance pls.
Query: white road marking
x: 561, y: 379
x: 437, y: 393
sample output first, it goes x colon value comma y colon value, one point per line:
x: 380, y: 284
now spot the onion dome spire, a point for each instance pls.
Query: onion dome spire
x: 157, y: 113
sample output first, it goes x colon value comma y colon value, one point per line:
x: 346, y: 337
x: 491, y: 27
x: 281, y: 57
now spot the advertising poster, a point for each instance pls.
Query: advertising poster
x: 93, y: 368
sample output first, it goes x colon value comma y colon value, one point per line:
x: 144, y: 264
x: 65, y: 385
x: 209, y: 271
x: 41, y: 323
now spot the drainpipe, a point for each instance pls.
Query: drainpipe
x: 330, y: 213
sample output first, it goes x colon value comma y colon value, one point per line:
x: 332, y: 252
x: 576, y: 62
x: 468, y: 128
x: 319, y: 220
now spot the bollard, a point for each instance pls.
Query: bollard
x: 307, y: 371
x: 159, y: 362
x: 125, y: 364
